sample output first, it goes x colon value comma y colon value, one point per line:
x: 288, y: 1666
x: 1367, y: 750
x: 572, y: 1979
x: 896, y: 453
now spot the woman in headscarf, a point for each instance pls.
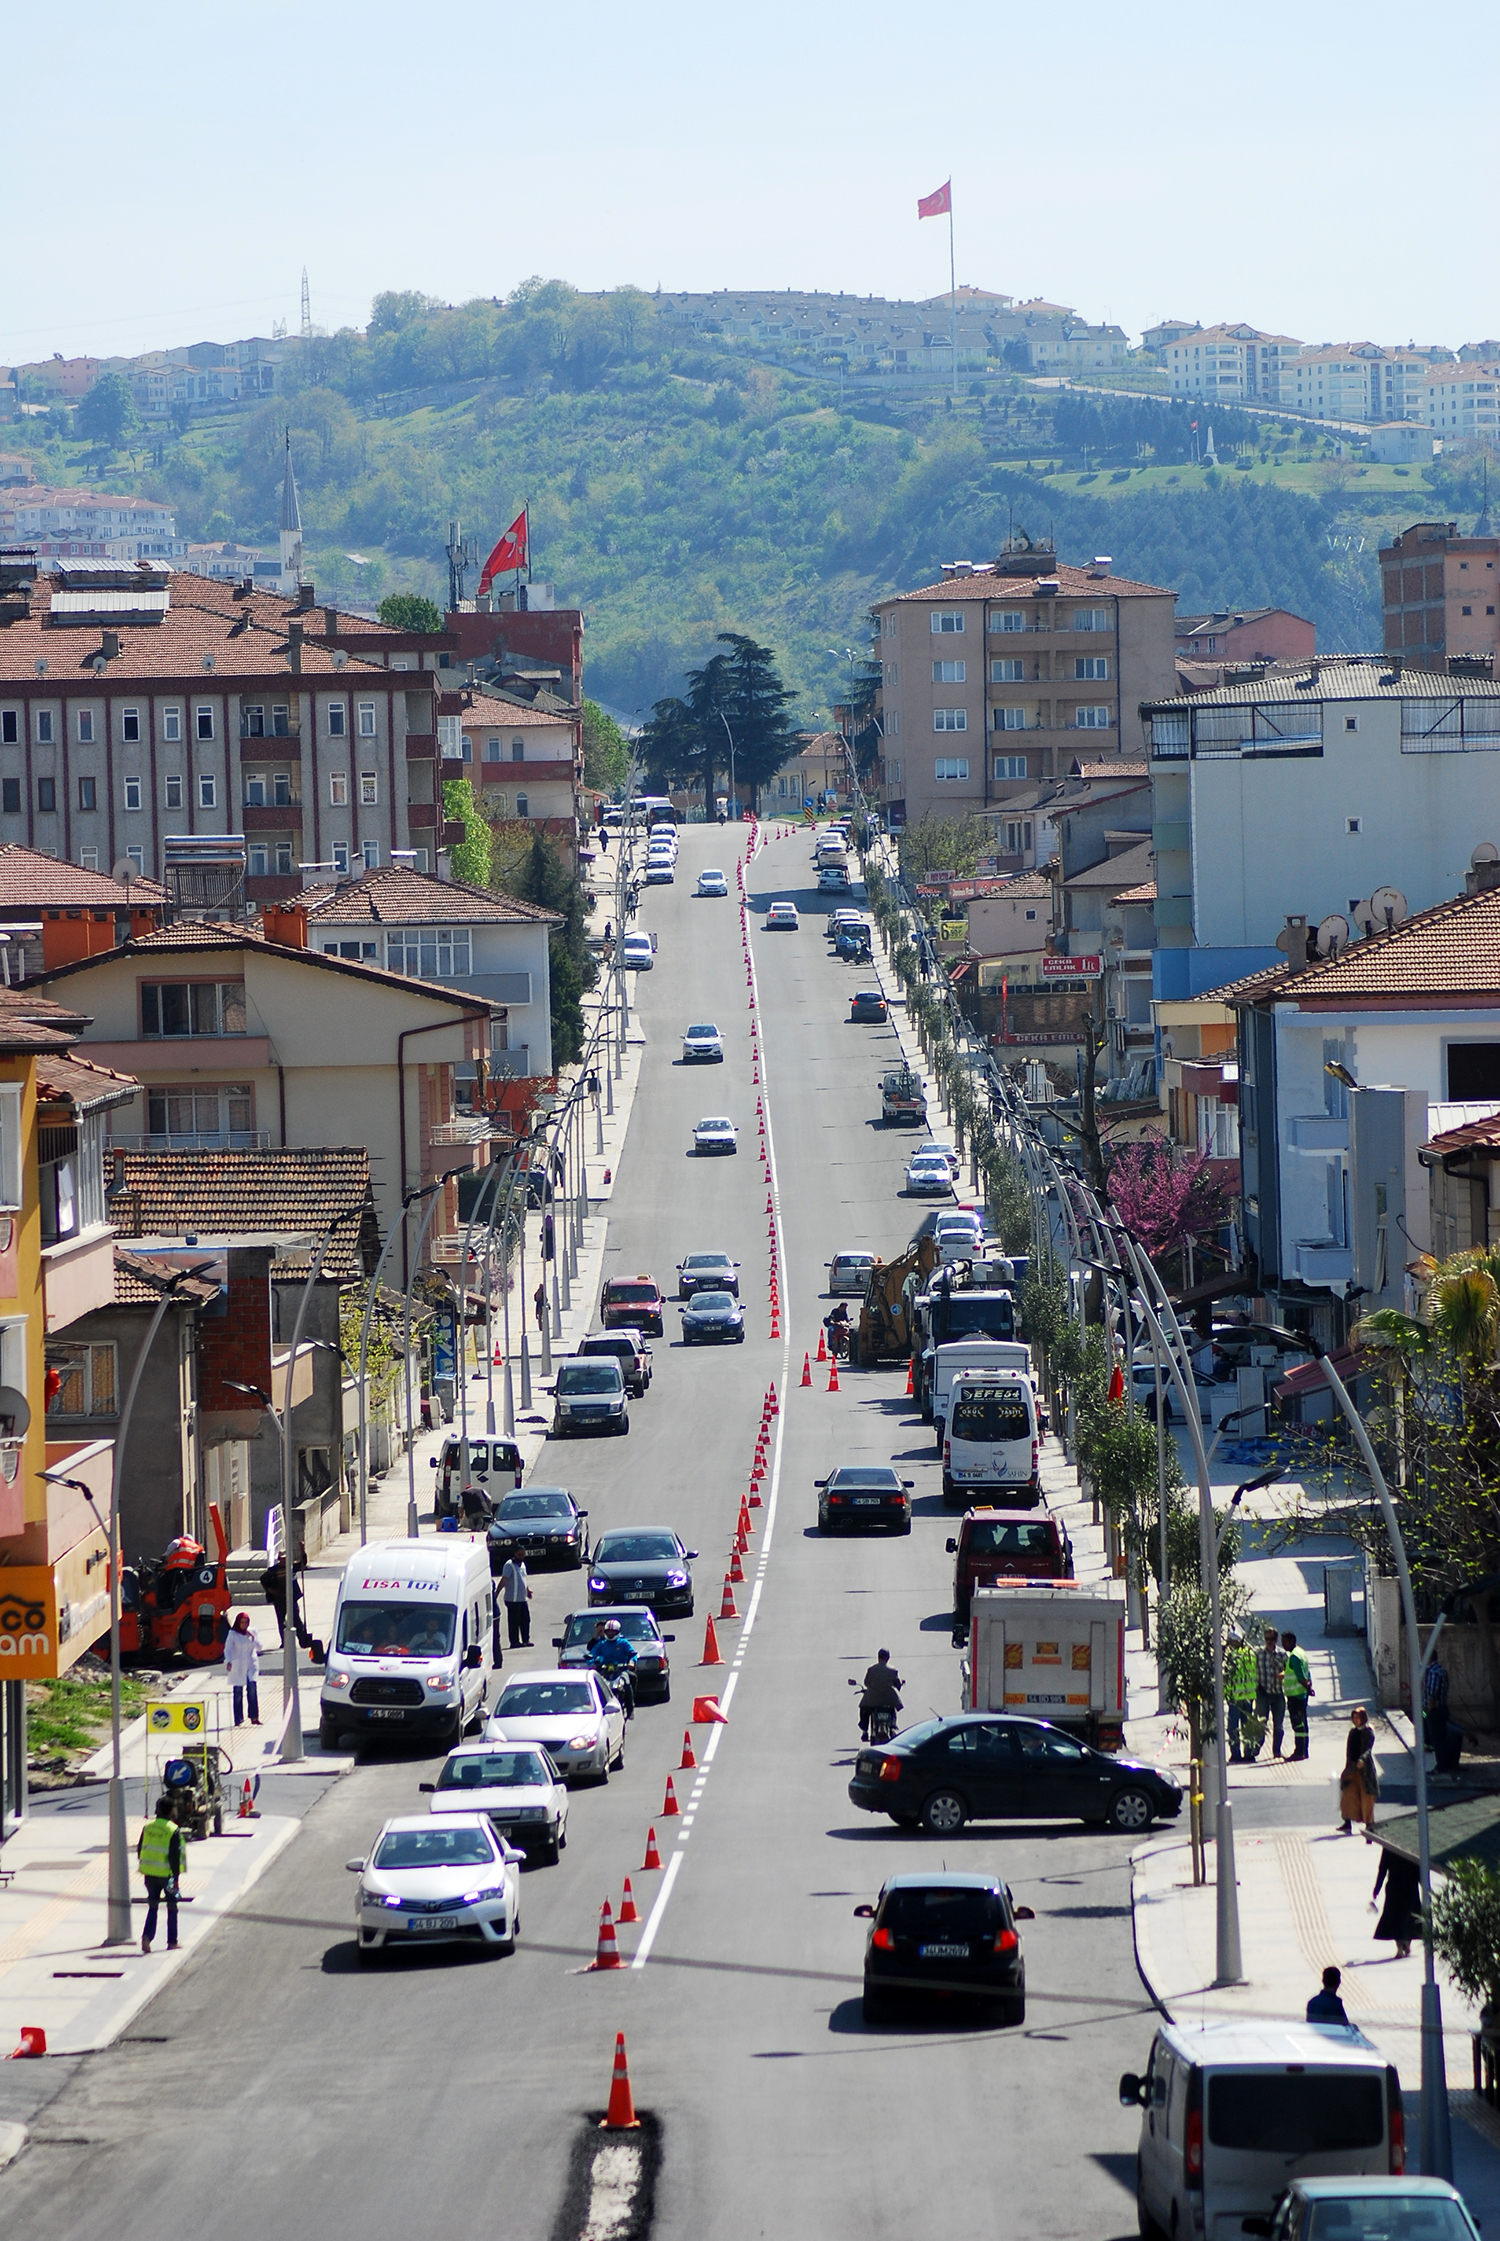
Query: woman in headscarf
x: 1358, y: 1784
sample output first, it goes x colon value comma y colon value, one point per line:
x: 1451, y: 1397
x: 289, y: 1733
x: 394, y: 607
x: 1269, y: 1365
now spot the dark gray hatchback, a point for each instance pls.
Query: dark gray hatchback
x: 946, y: 1936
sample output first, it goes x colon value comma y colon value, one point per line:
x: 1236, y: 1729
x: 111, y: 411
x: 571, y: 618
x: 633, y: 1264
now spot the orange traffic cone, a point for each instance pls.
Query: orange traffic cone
x: 770, y: 1209
x: 833, y: 1375
x: 771, y: 1401
x: 710, y: 1646
x: 33, y: 2044
x: 745, y: 1525
x: 706, y: 1712
x: 653, y: 1857
x: 736, y: 1568
x: 620, y: 2116
x: 775, y: 1324
x: 607, y: 1954
x: 822, y: 1345
x: 670, y: 1807
x: 627, y: 1905
x: 807, y: 1369
x: 247, y: 1801
x: 727, y: 1608
x: 687, y: 1758
x: 910, y: 1379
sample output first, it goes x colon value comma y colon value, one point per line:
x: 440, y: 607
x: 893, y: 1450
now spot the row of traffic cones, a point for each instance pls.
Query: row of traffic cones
x: 833, y: 1367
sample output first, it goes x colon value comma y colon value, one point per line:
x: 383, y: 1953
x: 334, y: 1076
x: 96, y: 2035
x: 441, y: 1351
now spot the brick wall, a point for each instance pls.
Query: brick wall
x: 238, y: 1342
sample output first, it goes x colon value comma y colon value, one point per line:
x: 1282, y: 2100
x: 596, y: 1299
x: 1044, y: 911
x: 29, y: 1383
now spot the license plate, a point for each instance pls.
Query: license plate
x: 943, y: 1952
x: 434, y: 1922
x: 867, y: 1501
x: 386, y: 1712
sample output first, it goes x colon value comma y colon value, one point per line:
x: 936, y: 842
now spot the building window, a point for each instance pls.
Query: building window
x: 449, y: 733
x: 89, y: 859
x: 255, y: 791
x: 88, y: 793
x: 44, y: 727
x: 338, y: 722
x: 947, y: 622
x: 1092, y: 719
x: 46, y: 793
x: 1010, y: 766
x: 10, y: 796
x: 171, y: 790
x: 85, y: 727
x: 518, y: 750
x: 950, y: 719
x: 1009, y: 618
x: 341, y: 855
x: 338, y: 789
x: 130, y: 726
x: 951, y: 766
x: 371, y: 854
x: 205, y: 720
x: 188, y: 1117
x: 369, y: 791
x: 419, y: 859
x: 192, y: 1007
x: 949, y: 672
x: 1351, y: 824
x: 86, y: 1377
x: 893, y: 770
x: 523, y: 806
x: 171, y: 723
x: 1091, y: 669
x: 1010, y: 719
x: 362, y: 953
x: 367, y: 719
x: 259, y: 860
x: 207, y: 790
x: 1091, y: 618
x: 10, y: 727
x: 429, y: 952
x: 132, y: 793
x: 1007, y: 672
x: 283, y: 857
x: 137, y: 857
x: 491, y: 748
x: 892, y: 723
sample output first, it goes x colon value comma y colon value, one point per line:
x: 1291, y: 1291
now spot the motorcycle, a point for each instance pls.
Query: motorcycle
x: 878, y: 1725
x: 837, y: 1328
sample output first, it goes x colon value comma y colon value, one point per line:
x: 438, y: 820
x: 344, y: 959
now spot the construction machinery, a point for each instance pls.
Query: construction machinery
x: 883, y: 1332
x: 178, y: 1604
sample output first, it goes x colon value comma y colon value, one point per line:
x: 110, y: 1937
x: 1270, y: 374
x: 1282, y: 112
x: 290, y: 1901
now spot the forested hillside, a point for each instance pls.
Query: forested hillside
x: 679, y: 488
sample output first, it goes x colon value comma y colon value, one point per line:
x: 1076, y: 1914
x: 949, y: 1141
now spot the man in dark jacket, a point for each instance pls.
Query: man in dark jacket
x: 1326, y: 2006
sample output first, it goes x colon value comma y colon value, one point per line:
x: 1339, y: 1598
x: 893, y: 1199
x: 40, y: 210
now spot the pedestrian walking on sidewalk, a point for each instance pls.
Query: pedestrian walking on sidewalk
x: 159, y: 1852
x: 1270, y: 1688
x: 273, y: 1587
x: 515, y: 1588
x: 1297, y: 1683
x: 539, y: 1304
x: 1359, y: 1785
x: 1239, y: 1708
x: 242, y: 1662
x: 1326, y: 2006
x: 1442, y: 1738
x: 1401, y: 1916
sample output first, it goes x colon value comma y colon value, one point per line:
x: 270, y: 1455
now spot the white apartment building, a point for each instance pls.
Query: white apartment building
x: 1461, y: 400
x: 1230, y: 364
x: 1358, y: 381
x: 122, y: 529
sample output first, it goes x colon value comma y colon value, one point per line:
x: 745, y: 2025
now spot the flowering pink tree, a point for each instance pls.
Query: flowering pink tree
x: 1166, y: 1196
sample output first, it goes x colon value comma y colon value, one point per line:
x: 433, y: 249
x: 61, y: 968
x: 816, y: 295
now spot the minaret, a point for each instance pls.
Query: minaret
x: 291, y: 530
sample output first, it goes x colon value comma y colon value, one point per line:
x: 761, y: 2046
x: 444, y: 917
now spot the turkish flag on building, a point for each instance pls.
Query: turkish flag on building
x: 937, y: 204
x: 509, y: 553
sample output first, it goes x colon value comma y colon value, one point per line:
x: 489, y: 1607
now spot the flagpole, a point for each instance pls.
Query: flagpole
x: 952, y: 293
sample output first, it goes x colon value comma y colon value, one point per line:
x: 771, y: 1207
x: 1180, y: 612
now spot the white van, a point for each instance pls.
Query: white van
x: 413, y: 1640
x: 1232, y: 2111
x: 992, y: 1446
x: 997, y: 1354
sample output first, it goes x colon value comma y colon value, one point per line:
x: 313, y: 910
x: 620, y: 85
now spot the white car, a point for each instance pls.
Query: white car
x: 703, y: 1042
x: 659, y: 872
x: 515, y: 1784
x: 428, y: 1881
x: 716, y: 1134
x: 711, y: 883
x: 958, y: 1236
x: 929, y: 1172
x: 579, y: 1722
x: 639, y: 952
x: 781, y: 918
x: 850, y: 1272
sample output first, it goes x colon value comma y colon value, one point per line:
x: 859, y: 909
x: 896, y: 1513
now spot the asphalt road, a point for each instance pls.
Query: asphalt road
x: 276, y: 2086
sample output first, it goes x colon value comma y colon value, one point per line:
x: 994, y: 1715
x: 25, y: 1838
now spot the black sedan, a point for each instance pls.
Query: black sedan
x: 944, y: 1935
x: 713, y: 1316
x: 864, y: 1494
x: 868, y: 1007
x: 984, y: 1766
x: 644, y: 1564
x: 707, y: 1272
x: 543, y: 1525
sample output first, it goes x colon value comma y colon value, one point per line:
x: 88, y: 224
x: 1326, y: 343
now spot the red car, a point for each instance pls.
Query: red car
x: 633, y: 1302
x: 996, y: 1545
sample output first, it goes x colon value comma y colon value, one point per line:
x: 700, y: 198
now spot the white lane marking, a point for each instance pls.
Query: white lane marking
x: 653, y: 1919
x: 752, y: 1609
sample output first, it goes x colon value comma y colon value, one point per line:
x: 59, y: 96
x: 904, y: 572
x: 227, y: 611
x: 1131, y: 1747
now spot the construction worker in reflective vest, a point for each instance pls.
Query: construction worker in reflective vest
x: 1239, y: 1694
x: 160, y: 1854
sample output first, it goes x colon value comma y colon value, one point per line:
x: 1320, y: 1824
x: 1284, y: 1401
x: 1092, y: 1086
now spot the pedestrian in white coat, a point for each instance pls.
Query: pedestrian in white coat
x: 242, y: 1657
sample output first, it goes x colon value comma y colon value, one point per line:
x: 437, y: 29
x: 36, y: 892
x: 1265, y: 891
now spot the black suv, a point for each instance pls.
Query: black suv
x: 985, y: 1766
x: 945, y: 1934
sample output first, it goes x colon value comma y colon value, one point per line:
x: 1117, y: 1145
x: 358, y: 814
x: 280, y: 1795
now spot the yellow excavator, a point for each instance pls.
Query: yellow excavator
x: 883, y: 1332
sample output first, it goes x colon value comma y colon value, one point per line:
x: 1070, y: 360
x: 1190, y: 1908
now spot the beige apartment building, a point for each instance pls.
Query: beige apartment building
x: 1235, y: 364
x: 1005, y: 673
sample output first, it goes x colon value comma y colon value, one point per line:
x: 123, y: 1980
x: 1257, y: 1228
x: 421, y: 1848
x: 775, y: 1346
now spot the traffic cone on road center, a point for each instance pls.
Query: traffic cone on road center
x: 653, y: 1857
x: 628, y: 1911
x: 620, y: 2116
x: 607, y: 1954
x: 833, y: 1375
x: 736, y: 1568
x: 706, y: 1712
x: 807, y: 1369
x: 727, y: 1607
x: 772, y: 1404
x: 822, y: 1346
x: 711, y: 1654
x: 688, y: 1758
x: 775, y: 1324
x: 670, y: 1809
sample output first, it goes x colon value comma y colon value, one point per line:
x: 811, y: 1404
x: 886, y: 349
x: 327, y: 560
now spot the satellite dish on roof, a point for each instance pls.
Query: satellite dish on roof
x: 1389, y: 906
x: 1365, y: 921
x: 15, y: 1412
x: 1333, y: 934
x: 124, y: 873
x: 1485, y: 853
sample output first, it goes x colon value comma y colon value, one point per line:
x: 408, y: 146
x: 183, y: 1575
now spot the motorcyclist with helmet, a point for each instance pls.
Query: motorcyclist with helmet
x: 613, y: 1656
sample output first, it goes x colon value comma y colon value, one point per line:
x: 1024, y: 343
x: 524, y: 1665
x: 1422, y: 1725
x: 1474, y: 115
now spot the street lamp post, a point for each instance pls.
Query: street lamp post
x: 411, y: 1435
x: 372, y: 1292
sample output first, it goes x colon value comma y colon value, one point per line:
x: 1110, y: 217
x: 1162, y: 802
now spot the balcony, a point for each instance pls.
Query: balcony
x: 453, y: 768
x: 1324, y: 1263
x: 289, y: 727
x: 270, y: 750
x: 511, y: 1065
x: 475, y: 1130
x: 423, y: 816
x: 195, y: 1140
x: 1318, y: 1132
x: 455, y: 832
x: 272, y: 817
x: 521, y: 774
x: 421, y: 747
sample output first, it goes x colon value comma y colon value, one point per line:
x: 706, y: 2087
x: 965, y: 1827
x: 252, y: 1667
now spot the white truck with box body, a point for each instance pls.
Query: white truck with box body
x: 413, y: 1640
x: 998, y: 1354
x: 1053, y: 1650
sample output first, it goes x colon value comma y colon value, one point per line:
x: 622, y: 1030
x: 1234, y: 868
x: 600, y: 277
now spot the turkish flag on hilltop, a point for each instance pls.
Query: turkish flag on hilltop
x: 509, y: 553
x: 937, y: 204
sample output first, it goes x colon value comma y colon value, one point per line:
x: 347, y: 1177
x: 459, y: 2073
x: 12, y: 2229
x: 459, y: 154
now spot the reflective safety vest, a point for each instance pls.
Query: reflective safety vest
x: 1297, y: 1679
x: 156, y: 1848
x: 1239, y: 1681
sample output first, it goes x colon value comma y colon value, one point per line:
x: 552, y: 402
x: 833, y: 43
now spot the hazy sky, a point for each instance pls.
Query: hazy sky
x: 174, y: 169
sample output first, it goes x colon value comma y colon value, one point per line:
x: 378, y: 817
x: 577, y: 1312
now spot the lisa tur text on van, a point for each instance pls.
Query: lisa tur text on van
x: 413, y: 1640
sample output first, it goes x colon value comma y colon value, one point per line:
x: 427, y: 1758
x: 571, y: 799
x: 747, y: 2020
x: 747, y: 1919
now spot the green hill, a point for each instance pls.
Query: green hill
x: 679, y: 488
